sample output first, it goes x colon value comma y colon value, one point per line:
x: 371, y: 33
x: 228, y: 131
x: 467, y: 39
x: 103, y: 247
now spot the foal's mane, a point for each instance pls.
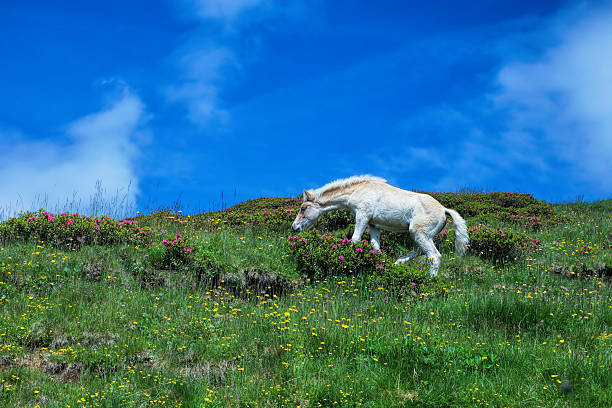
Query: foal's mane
x: 341, y: 183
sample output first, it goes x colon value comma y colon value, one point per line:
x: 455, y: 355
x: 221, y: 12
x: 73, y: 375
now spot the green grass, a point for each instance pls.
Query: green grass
x: 79, y: 328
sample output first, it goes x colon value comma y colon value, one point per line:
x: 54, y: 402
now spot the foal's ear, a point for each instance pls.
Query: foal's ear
x: 308, y: 196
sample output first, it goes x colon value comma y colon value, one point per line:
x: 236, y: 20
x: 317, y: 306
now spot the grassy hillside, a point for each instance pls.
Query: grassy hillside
x: 230, y: 309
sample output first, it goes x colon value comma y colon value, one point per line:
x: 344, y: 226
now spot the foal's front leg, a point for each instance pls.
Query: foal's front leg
x: 360, y: 226
x: 375, y: 238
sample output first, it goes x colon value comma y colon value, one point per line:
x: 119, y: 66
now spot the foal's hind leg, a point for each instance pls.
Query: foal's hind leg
x: 422, y: 230
x: 434, y: 257
x: 418, y: 251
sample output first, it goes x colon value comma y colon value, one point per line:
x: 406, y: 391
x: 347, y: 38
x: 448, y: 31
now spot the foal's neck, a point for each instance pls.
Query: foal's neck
x: 333, y: 200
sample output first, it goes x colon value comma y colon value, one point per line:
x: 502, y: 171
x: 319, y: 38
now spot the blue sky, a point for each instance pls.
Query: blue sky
x: 186, y: 100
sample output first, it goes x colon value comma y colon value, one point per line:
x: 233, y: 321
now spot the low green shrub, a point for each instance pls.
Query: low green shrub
x: 528, y: 222
x: 475, y: 204
x: 540, y: 210
x: 452, y: 200
x: 335, y: 220
x: 508, y: 199
x: 318, y: 256
x: 208, y: 262
x: 470, y: 209
x: 267, y: 214
x: 501, y: 218
x: 401, y: 278
x: 196, y: 260
x: 171, y: 253
x: 445, y: 240
x: 73, y: 230
x: 271, y: 214
x: 498, y: 245
x: 276, y: 214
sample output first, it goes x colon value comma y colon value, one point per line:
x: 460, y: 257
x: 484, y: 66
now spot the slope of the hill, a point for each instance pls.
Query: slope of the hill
x: 223, y: 310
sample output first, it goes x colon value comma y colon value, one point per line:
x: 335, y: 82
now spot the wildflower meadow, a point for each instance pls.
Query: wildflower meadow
x: 232, y: 309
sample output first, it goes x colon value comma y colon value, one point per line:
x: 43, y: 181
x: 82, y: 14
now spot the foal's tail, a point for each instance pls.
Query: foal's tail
x: 461, y: 232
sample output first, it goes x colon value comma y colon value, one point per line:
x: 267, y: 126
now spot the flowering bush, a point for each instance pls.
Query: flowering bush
x: 181, y: 251
x: 171, y: 253
x: 509, y: 199
x: 445, y: 240
x: 319, y: 255
x: 402, y: 278
x: 498, y: 245
x: 74, y: 230
x: 533, y: 223
x: 195, y: 259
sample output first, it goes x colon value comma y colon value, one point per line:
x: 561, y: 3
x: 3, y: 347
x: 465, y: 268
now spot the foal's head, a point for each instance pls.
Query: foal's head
x: 310, y: 210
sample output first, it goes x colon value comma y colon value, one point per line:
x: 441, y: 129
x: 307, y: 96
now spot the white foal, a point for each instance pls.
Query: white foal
x: 384, y: 207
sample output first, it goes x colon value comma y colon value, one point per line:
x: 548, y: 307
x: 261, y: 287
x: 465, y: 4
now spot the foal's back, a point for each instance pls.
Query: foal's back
x: 392, y: 208
x: 394, y: 197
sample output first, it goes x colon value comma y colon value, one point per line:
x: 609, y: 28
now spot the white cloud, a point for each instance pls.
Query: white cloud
x: 407, y: 159
x: 210, y: 57
x: 101, y: 148
x: 207, y: 62
x: 223, y: 9
x: 202, y: 72
x: 565, y: 98
x: 554, y: 112
x: 499, y: 162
